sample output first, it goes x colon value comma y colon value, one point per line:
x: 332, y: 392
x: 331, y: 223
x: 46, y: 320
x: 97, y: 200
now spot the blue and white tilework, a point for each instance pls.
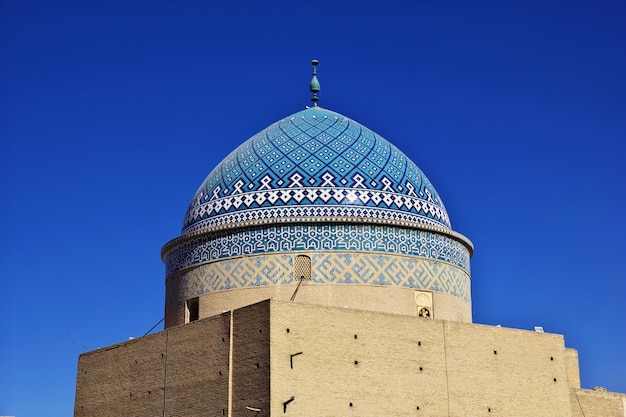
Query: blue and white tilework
x: 316, y: 165
x: 328, y: 268
x: 317, y: 237
x: 319, y: 184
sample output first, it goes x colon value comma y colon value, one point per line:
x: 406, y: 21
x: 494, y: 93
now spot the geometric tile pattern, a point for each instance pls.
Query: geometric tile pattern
x: 409, y: 272
x: 315, y: 163
x: 256, y: 271
x: 312, y: 209
x: 317, y: 237
x: 327, y: 268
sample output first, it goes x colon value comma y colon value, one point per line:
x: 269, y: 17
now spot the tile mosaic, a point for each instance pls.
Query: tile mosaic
x: 315, y: 158
x: 327, y: 268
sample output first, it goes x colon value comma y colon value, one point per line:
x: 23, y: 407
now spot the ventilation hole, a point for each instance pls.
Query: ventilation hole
x: 554, y: 379
x: 421, y: 369
x: 356, y: 362
x: 495, y: 352
x: 302, y: 267
x: 551, y: 358
x: 135, y: 360
x: 489, y: 410
x: 223, y: 411
x: 355, y: 336
x: 223, y: 340
x: 419, y: 343
x: 257, y: 365
x: 260, y: 331
x: 418, y: 408
x: 287, y: 330
x: 149, y: 392
x: 350, y: 404
x: 162, y: 355
x: 219, y: 373
x: 193, y: 309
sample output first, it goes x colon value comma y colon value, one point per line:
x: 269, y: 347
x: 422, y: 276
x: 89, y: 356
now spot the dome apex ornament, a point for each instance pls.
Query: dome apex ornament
x: 315, y: 84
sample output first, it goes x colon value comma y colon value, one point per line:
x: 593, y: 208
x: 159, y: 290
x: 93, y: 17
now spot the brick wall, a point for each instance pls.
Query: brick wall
x: 378, y: 298
x: 177, y: 371
x: 597, y: 403
x: 124, y: 379
x: 573, y: 370
x: 293, y: 359
x: 386, y: 365
x: 250, y: 358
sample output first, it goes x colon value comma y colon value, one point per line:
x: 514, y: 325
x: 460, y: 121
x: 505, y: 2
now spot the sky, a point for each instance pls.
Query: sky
x: 113, y: 112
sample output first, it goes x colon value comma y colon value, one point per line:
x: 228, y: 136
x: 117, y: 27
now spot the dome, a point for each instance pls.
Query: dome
x: 315, y: 165
x: 317, y: 208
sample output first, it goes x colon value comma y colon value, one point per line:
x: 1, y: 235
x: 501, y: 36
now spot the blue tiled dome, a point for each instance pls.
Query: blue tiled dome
x: 315, y: 165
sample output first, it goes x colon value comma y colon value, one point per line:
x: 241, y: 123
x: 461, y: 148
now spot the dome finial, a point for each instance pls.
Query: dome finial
x: 315, y: 85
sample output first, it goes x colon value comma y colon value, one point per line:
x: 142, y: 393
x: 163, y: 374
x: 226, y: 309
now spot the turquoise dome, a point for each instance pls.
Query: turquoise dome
x: 315, y: 165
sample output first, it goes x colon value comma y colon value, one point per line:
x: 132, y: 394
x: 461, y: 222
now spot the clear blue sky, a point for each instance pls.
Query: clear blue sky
x: 113, y: 112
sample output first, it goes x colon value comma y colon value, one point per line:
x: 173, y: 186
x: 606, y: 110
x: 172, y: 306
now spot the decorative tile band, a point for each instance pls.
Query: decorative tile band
x: 318, y: 237
x: 327, y: 268
x: 313, y: 202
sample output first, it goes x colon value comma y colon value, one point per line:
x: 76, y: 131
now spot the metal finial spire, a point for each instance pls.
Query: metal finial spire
x: 315, y: 85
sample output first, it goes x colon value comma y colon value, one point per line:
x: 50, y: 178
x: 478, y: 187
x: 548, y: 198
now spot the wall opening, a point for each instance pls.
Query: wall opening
x: 424, y: 304
x: 193, y: 310
x: 302, y: 268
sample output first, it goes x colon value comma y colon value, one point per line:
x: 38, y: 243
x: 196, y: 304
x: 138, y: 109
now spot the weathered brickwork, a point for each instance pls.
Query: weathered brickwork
x: 363, y: 297
x: 444, y: 368
x: 124, y: 379
x: 293, y: 359
x: 197, y: 368
x: 573, y: 371
x: 183, y: 371
x: 505, y: 372
x: 597, y: 403
x: 250, y: 359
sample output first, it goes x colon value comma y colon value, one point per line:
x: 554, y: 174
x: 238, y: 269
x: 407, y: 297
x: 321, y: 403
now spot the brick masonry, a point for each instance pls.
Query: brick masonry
x: 294, y: 359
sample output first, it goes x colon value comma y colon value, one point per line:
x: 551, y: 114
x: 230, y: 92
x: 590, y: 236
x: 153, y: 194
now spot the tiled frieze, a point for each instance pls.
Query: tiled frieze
x: 314, y: 203
x: 327, y: 268
x: 318, y: 237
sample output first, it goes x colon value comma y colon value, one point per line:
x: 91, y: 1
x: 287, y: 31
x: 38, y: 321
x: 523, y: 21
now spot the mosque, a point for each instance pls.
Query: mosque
x: 317, y: 274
